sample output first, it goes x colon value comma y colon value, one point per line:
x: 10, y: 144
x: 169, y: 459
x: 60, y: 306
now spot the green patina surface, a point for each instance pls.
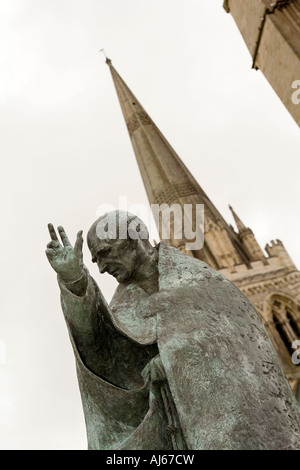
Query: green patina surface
x: 180, y: 359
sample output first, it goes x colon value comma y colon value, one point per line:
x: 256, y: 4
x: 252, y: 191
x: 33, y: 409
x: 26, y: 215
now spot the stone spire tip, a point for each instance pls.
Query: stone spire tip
x: 237, y: 220
x: 107, y: 60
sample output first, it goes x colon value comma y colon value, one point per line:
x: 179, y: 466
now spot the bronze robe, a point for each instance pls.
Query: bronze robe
x: 193, y: 359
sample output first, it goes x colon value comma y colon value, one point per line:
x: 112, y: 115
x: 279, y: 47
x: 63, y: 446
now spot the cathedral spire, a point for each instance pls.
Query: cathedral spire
x: 240, y: 226
x: 248, y: 240
x: 168, y: 181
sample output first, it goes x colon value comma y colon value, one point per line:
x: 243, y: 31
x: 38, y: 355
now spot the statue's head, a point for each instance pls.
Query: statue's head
x: 117, y: 241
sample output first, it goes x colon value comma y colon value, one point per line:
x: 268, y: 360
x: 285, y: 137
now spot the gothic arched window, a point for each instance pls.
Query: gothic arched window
x: 293, y: 323
x: 286, y: 321
x: 279, y: 325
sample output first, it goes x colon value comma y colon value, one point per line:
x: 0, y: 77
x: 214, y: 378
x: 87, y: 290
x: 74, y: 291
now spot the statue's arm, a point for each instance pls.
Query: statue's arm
x: 84, y: 306
x: 82, y: 302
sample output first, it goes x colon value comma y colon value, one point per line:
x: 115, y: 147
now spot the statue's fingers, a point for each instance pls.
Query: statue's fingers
x: 79, y: 242
x: 63, y: 236
x: 50, y: 253
x: 52, y: 232
x: 53, y: 244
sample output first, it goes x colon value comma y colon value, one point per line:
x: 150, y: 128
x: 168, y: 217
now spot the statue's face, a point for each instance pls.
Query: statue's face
x: 117, y: 258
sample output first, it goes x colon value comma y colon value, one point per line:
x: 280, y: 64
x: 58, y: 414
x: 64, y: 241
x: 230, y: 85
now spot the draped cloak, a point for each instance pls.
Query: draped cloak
x: 195, y: 355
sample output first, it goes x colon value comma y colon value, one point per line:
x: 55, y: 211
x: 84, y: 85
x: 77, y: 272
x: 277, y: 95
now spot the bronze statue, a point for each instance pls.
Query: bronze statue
x: 180, y: 359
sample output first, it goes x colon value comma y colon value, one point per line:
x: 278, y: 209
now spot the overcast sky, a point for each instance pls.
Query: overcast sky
x: 65, y: 150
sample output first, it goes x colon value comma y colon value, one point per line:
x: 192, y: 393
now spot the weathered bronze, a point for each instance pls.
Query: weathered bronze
x: 180, y: 359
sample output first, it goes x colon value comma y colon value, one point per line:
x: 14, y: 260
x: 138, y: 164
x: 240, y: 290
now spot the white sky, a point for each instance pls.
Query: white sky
x: 65, y: 150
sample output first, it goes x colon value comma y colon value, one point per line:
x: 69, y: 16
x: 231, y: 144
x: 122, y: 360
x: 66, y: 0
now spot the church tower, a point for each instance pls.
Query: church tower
x: 271, y: 31
x: 271, y: 281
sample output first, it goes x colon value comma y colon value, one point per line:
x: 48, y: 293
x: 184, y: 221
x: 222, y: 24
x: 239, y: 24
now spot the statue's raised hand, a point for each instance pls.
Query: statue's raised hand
x: 64, y: 259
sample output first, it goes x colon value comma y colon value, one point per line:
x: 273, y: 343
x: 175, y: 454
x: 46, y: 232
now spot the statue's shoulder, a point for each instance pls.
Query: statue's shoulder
x: 117, y: 295
x: 176, y: 267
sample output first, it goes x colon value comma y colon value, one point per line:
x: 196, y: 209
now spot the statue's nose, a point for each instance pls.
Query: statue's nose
x: 103, y: 269
x: 102, y: 266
